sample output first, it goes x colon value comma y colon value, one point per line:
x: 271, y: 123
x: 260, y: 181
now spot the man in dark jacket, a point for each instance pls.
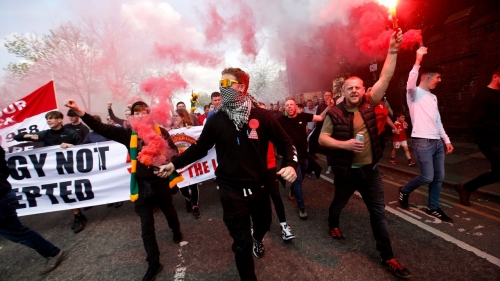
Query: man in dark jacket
x: 241, y: 132
x: 355, y: 159
x: 485, y: 125
x: 11, y: 227
x: 65, y: 137
x: 153, y: 191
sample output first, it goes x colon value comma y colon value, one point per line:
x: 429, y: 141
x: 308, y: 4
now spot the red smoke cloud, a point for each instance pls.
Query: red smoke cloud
x: 214, y: 26
x: 178, y: 54
x: 160, y: 90
x: 241, y: 27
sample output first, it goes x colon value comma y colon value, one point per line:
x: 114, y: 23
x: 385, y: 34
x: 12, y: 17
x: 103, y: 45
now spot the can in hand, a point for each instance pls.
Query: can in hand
x: 360, y: 137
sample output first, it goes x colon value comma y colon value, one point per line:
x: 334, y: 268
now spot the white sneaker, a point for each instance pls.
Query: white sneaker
x: 287, y: 233
x: 329, y: 170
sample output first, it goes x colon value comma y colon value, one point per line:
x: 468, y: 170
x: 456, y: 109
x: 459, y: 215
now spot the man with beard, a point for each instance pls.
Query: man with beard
x: 355, y: 159
x: 152, y: 190
x: 241, y: 132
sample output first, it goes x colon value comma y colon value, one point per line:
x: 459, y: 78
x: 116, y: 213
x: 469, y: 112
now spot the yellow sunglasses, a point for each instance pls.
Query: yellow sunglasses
x: 227, y: 82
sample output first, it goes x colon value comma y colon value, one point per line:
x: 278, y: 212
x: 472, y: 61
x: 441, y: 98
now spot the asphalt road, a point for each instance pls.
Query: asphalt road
x: 110, y: 248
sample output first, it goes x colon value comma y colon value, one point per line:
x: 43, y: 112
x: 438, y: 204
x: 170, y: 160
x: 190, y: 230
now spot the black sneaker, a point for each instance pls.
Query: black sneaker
x: 336, y: 234
x: 153, y: 271
x: 395, y: 267
x: 52, y: 263
x: 177, y: 237
x: 80, y: 223
x: 196, y: 213
x: 403, y: 198
x: 258, y: 249
x: 463, y: 194
x: 438, y: 213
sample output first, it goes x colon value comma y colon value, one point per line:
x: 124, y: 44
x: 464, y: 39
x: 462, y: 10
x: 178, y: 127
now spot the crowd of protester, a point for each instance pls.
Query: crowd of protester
x: 350, y: 131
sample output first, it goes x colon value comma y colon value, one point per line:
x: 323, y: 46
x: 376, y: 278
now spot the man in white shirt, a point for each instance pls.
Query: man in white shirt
x: 311, y: 109
x: 427, y: 135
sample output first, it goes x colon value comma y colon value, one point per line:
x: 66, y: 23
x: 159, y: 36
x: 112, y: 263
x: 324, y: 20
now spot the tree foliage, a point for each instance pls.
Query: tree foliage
x: 67, y: 53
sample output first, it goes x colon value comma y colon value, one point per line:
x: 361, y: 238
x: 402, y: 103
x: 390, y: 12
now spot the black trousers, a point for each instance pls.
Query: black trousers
x: 273, y: 187
x: 191, y: 196
x: 492, y: 153
x: 238, y: 210
x: 368, y: 182
x: 152, y: 194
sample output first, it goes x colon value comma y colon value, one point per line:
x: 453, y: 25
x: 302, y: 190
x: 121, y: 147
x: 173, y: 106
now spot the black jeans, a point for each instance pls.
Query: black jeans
x: 191, y: 196
x: 238, y: 209
x: 152, y: 194
x: 492, y: 153
x: 368, y: 182
x: 273, y: 188
x: 12, y: 228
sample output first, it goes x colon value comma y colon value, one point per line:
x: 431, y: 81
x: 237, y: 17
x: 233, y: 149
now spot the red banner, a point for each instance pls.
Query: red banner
x: 26, y: 115
x: 40, y: 101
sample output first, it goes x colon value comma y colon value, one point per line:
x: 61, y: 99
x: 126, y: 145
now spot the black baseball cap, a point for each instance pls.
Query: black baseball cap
x: 71, y: 113
x: 136, y: 104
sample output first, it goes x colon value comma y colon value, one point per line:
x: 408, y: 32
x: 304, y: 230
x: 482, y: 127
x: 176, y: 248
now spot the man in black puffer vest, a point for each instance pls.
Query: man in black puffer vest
x: 354, y: 162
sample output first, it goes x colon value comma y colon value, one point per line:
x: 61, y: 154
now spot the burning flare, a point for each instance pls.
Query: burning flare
x: 391, y: 4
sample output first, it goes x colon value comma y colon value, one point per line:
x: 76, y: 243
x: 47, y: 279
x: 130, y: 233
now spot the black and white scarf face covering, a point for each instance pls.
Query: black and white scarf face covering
x: 237, y: 105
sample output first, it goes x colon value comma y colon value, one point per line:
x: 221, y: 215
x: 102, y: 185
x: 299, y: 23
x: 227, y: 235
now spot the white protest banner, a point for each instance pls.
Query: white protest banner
x: 52, y: 178
x: 201, y: 170
x: 26, y: 115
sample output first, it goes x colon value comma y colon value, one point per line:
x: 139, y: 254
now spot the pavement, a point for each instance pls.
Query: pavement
x: 463, y: 164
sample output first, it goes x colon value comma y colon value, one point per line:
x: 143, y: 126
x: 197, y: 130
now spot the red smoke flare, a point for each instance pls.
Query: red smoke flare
x: 155, y: 151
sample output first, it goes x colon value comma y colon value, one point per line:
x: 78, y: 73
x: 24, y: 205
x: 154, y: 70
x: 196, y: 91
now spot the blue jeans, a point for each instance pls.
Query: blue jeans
x: 296, y: 186
x: 430, y: 158
x: 12, y: 228
x: 368, y: 181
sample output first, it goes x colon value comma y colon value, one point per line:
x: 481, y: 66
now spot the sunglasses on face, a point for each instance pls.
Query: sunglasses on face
x: 227, y: 82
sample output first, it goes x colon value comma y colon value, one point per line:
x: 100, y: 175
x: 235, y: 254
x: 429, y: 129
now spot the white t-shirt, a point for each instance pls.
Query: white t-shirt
x: 310, y: 125
x: 424, y: 111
